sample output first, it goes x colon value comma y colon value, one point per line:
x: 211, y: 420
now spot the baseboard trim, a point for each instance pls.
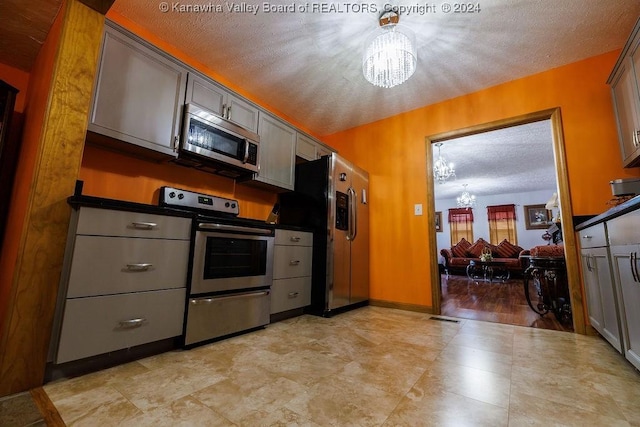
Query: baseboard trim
x: 401, y: 306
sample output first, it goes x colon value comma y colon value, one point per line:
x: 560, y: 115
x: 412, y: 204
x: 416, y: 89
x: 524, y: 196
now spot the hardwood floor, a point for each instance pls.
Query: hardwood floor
x: 499, y: 302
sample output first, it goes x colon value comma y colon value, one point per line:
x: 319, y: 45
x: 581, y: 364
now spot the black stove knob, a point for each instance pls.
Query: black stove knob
x: 226, y: 205
x: 233, y: 205
x: 180, y: 196
x: 172, y: 195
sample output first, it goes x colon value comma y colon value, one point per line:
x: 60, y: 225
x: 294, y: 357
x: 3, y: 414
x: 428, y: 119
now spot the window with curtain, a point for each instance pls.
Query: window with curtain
x: 502, y: 223
x: 461, y: 224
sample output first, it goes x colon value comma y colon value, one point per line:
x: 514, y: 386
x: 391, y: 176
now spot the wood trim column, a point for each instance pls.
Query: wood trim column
x: 27, y: 328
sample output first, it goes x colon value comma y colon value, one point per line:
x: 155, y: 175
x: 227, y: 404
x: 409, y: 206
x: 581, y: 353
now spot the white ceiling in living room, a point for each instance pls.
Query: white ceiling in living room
x: 516, y: 159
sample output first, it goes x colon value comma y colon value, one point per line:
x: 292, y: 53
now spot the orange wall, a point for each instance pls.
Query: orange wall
x: 117, y: 176
x: 18, y: 79
x: 35, y: 107
x: 399, y: 241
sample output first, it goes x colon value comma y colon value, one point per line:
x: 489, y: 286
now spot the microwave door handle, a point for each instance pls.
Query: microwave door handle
x: 246, y: 151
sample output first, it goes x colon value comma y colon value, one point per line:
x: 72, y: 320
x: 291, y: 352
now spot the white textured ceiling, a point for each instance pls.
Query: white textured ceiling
x: 308, y: 65
x: 517, y: 159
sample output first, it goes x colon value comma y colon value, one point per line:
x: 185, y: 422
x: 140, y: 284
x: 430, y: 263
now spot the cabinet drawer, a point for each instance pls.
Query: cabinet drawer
x: 625, y: 229
x: 287, y: 294
x: 105, y: 222
x: 291, y: 261
x: 212, y: 317
x: 295, y: 238
x: 112, y: 265
x: 593, y: 237
x: 97, y: 325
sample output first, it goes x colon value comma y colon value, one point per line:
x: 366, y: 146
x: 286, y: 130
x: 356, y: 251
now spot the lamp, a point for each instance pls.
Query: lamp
x: 466, y: 199
x: 390, y: 53
x: 551, y: 204
x: 441, y: 169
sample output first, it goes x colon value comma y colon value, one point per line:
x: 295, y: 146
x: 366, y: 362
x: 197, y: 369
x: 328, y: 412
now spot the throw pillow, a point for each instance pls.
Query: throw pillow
x: 476, y: 249
x: 460, y: 249
x: 507, y: 250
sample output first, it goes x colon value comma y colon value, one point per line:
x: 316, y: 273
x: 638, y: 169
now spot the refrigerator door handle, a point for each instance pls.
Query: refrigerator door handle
x: 353, y: 216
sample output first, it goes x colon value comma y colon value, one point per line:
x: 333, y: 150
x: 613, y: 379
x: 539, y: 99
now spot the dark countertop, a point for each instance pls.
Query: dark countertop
x: 621, y: 209
x: 98, y: 202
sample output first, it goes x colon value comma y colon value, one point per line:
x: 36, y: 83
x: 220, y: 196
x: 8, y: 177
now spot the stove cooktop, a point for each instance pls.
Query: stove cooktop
x: 208, y: 208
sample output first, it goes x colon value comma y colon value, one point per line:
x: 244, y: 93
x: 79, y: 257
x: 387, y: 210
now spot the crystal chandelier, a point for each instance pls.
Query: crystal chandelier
x: 441, y: 169
x: 390, y: 54
x: 466, y: 199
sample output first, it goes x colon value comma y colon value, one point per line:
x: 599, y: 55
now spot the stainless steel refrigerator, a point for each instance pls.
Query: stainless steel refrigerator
x: 331, y: 197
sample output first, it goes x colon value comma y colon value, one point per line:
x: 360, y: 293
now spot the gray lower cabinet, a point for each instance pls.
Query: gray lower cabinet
x: 138, y: 95
x: 123, y: 282
x: 277, y: 153
x: 106, y: 323
x: 602, y: 299
x: 292, y: 259
x: 624, y: 240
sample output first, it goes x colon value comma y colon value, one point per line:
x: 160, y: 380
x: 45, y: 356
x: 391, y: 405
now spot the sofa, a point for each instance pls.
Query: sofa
x: 458, y: 257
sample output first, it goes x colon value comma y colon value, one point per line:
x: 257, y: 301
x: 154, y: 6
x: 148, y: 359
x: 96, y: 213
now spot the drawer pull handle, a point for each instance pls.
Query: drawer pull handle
x: 144, y: 225
x: 632, y: 264
x: 587, y: 236
x: 294, y: 262
x: 142, y: 266
x: 293, y: 294
x: 294, y: 239
x: 132, y: 323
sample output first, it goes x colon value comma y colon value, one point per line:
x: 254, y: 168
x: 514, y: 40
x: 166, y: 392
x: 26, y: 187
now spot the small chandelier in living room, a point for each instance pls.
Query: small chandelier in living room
x: 466, y: 199
x: 441, y: 169
x: 390, y: 54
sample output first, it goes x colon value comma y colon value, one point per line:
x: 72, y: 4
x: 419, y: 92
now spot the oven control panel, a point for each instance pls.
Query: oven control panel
x: 175, y: 197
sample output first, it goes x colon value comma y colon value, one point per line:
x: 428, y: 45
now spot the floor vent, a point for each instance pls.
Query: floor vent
x: 440, y: 319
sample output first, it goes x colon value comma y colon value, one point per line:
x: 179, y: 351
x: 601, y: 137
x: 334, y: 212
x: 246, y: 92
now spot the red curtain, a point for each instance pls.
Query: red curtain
x: 499, y: 212
x: 461, y: 215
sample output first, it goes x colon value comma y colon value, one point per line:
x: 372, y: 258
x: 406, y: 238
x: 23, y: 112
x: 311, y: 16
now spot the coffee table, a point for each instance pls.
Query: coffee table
x: 488, y: 270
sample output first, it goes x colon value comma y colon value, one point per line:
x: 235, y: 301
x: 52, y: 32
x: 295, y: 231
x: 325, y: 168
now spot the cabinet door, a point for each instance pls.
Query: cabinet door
x: 242, y: 113
x: 625, y: 98
x: 625, y: 268
x: 592, y: 288
x: 206, y: 94
x: 138, y: 94
x: 277, y: 152
x: 610, y: 314
x: 216, y: 99
x: 305, y: 147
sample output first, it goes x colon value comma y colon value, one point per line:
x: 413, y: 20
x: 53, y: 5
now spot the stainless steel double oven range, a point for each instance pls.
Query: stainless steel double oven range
x: 231, y: 267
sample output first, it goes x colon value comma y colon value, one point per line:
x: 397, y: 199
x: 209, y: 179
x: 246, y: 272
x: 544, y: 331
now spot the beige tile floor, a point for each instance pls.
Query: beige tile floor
x: 369, y: 367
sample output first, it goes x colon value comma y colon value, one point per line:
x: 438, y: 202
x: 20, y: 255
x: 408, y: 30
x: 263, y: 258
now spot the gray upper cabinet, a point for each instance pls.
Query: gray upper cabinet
x: 215, y: 98
x: 309, y: 149
x: 277, y: 153
x: 138, y: 93
x: 625, y: 89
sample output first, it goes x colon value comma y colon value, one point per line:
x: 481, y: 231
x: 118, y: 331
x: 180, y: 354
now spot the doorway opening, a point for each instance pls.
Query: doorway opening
x: 560, y: 184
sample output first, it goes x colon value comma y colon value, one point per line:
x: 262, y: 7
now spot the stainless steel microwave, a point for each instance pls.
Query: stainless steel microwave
x: 217, y: 145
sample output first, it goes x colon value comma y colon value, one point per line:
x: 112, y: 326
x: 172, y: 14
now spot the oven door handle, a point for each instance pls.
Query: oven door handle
x: 227, y: 227
x: 209, y: 300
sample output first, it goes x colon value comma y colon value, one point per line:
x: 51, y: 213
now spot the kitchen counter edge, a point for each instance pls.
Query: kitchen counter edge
x: 623, y: 208
x: 77, y: 201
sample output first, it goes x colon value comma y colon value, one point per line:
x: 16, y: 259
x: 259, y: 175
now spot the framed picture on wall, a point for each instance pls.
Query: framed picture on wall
x: 438, y: 221
x: 537, y: 217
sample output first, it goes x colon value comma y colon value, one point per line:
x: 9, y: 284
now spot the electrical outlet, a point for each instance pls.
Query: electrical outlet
x: 417, y: 209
